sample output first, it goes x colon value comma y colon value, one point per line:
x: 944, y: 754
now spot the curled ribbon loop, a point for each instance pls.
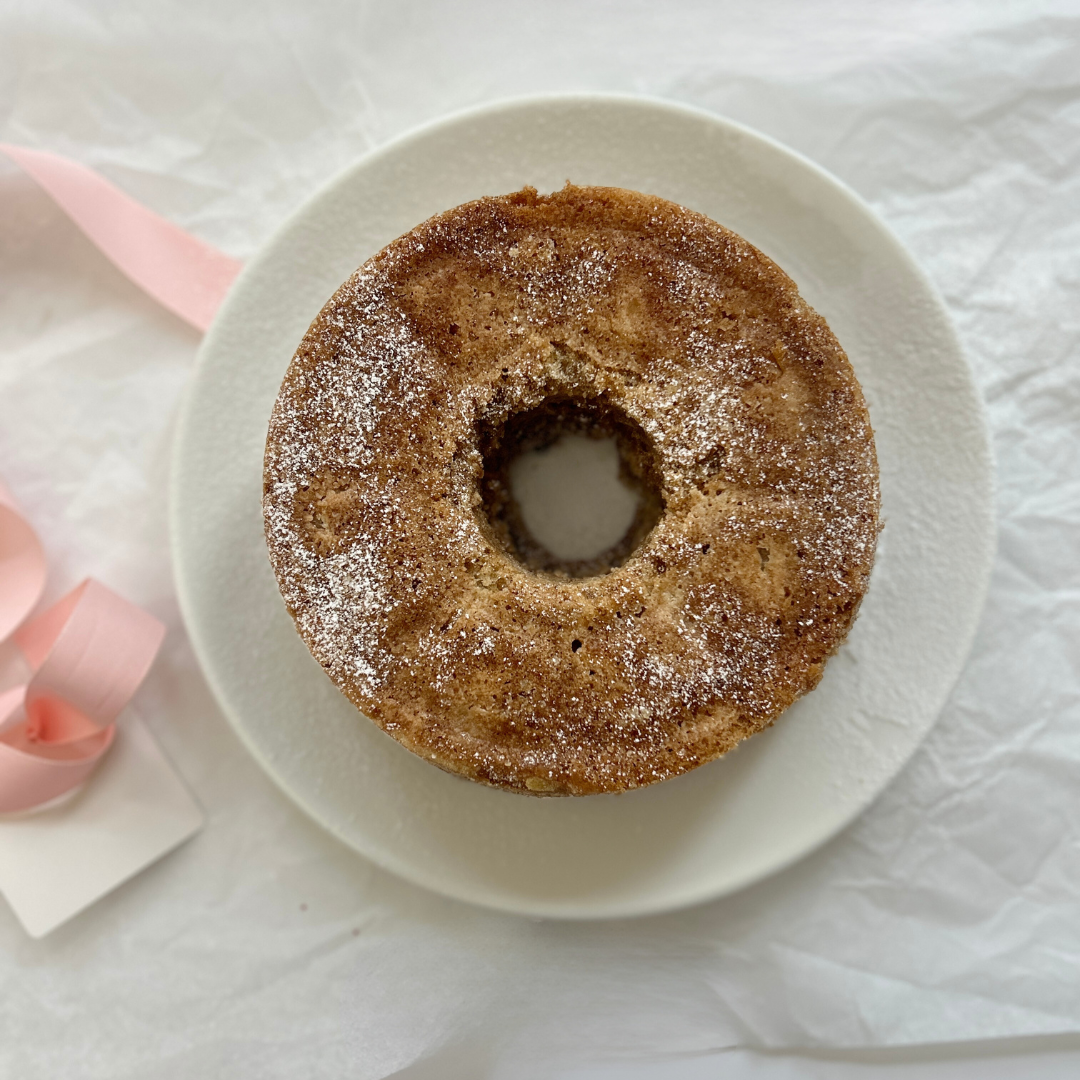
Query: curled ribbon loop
x: 88, y: 653
x: 22, y: 566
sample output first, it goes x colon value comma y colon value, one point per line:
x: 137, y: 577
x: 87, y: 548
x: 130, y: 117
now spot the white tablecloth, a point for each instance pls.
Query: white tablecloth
x: 263, y: 948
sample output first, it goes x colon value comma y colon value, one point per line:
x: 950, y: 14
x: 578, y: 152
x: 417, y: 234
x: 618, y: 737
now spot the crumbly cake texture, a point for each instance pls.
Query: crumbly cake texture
x: 410, y: 594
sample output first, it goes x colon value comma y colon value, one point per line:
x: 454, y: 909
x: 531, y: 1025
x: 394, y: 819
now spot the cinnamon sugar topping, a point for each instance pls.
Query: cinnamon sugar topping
x: 742, y: 411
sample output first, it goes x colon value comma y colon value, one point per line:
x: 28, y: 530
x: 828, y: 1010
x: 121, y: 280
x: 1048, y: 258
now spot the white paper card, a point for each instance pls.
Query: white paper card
x: 133, y: 810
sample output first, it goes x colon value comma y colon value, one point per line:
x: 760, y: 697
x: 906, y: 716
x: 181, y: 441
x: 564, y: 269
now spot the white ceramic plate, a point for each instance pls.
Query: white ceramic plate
x: 785, y: 791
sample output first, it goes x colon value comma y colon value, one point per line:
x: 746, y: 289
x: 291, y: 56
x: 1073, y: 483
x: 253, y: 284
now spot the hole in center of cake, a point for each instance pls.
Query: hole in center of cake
x: 570, y: 488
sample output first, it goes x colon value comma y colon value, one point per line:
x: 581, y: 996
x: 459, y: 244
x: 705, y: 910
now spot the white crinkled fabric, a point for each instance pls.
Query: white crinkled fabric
x: 264, y: 948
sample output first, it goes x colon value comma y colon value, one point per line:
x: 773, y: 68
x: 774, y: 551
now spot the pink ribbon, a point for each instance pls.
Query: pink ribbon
x: 89, y: 652
x: 182, y: 273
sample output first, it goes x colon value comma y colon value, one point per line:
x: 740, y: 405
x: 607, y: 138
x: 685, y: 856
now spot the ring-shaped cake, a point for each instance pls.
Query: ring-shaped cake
x: 490, y: 329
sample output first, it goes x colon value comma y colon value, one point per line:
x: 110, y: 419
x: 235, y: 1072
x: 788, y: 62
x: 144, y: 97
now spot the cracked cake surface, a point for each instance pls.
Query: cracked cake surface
x: 738, y: 413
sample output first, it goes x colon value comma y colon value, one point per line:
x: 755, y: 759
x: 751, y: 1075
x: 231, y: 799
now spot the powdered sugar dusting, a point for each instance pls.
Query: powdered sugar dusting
x: 725, y: 613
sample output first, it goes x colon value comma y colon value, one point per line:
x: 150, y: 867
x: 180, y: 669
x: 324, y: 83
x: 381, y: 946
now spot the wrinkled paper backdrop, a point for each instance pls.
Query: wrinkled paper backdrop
x: 263, y: 948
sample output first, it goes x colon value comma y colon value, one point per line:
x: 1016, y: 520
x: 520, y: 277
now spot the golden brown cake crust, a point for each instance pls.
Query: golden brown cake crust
x: 404, y: 590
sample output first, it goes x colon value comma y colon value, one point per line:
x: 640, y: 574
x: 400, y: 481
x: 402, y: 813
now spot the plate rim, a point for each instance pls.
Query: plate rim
x: 562, y: 909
